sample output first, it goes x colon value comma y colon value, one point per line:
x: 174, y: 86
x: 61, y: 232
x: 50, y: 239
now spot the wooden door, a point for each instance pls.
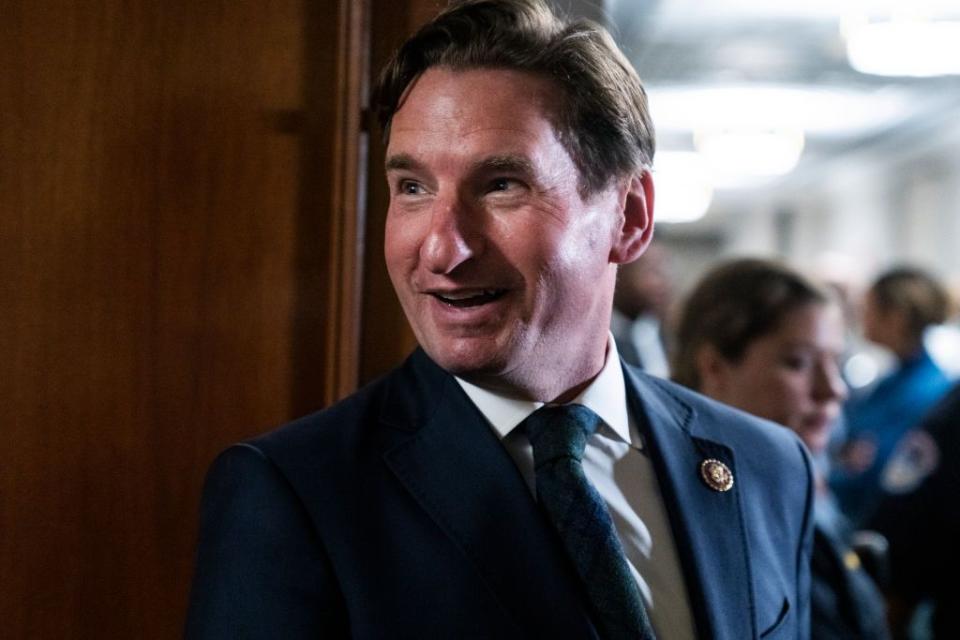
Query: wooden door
x: 179, y: 259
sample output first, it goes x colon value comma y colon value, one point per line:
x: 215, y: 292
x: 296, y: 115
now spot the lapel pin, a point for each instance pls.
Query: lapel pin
x: 716, y: 475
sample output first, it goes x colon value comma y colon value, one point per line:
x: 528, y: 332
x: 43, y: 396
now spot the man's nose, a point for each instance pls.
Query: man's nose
x: 454, y: 236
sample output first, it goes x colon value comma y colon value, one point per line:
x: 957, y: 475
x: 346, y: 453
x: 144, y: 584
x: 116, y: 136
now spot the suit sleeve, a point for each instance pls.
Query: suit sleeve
x: 261, y: 571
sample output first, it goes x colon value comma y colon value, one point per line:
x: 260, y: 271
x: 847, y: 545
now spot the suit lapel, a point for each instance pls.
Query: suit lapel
x: 461, y: 475
x: 708, y: 525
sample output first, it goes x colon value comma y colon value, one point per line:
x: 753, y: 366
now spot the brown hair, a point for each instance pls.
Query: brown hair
x: 916, y: 294
x: 603, y: 120
x: 733, y: 305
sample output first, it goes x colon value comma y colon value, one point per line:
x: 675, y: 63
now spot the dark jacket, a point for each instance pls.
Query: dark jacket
x: 397, y: 513
x: 923, y: 525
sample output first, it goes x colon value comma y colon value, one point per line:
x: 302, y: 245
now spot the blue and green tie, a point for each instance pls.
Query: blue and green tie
x: 579, y: 515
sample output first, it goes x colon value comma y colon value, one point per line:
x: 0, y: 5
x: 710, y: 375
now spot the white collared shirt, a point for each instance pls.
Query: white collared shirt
x: 616, y: 465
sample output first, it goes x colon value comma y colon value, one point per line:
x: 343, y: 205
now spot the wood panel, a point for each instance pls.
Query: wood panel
x: 387, y: 337
x: 178, y: 255
x: 333, y: 177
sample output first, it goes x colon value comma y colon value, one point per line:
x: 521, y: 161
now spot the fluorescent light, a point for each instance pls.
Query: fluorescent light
x: 682, y: 185
x: 914, y: 47
x: 737, y: 156
x: 750, y: 133
x: 819, y: 111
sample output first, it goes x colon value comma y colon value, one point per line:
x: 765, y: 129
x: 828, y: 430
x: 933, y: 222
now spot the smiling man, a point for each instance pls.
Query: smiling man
x: 512, y: 479
x: 503, y: 264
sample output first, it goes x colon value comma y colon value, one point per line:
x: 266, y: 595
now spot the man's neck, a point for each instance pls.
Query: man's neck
x: 555, y: 389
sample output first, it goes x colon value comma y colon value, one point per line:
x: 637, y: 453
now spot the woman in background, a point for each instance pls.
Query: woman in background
x: 760, y: 337
x: 897, y: 310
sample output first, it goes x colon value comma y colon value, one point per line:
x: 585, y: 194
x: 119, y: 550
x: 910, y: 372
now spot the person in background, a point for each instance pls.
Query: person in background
x: 640, y: 304
x: 898, y: 308
x: 922, y: 527
x: 762, y: 338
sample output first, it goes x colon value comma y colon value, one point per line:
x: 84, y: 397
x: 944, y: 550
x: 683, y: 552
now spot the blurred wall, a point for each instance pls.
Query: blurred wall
x: 895, y: 201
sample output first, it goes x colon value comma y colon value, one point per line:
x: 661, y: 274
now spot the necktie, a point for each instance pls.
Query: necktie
x: 578, y: 513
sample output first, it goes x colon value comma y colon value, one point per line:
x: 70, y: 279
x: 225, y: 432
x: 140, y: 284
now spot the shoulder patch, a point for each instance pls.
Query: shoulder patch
x: 915, y: 457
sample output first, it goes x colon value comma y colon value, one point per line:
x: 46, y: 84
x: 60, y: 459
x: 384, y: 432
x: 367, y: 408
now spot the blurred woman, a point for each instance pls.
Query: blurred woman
x: 760, y: 337
x: 898, y: 308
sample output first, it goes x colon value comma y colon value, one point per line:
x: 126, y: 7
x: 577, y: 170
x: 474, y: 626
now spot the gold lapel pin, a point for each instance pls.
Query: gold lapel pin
x: 716, y: 475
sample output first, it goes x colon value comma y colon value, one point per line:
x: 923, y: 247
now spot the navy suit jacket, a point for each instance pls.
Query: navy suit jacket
x: 397, y: 513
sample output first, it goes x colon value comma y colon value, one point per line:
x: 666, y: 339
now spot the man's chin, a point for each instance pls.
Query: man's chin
x: 467, y: 367
x: 468, y: 359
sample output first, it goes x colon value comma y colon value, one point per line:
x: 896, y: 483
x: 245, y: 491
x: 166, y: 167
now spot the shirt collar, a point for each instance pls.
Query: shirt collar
x: 605, y: 396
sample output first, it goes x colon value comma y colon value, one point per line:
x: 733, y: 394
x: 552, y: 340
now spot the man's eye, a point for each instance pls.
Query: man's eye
x: 504, y: 184
x: 411, y: 188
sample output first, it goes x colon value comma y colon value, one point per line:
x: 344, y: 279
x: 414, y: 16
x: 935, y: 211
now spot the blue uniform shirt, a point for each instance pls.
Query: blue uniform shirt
x: 883, y: 415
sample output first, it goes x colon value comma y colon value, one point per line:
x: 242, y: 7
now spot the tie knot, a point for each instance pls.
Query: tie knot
x: 560, y: 432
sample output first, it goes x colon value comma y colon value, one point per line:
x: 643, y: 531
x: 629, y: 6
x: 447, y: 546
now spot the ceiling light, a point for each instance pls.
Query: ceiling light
x: 738, y: 155
x: 904, y: 45
x: 683, y: 186
x: 816, y: 111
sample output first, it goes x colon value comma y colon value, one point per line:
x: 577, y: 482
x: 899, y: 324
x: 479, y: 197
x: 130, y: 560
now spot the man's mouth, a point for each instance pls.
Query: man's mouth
x: 474, y: 298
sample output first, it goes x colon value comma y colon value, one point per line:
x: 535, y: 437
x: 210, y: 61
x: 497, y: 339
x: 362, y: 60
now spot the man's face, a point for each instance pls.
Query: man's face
x: 503, y: 269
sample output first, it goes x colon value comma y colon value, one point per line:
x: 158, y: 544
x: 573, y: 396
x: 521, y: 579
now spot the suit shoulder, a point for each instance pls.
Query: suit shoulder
x: 747, y: 435
x: 360, y: 427
x: 327, y: 429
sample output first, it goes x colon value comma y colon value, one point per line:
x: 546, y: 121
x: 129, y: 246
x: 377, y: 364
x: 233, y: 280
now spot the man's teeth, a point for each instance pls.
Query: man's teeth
x: 472, y: 298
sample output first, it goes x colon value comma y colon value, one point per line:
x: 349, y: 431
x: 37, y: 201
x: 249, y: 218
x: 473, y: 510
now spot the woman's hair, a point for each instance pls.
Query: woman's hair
x: 733, y: 305
x: 602, y: 118
x: 916, y: 294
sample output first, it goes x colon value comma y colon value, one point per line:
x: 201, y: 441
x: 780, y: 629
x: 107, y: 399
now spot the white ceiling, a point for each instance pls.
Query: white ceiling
x: 693, y: 54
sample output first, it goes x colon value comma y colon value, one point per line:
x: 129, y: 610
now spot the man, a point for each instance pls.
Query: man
x: 445, y: 500
x: 640, y: 305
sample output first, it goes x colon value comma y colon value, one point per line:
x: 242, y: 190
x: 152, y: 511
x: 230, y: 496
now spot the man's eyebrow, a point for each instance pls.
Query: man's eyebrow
x: 401, y: 162
x: 504, y: 163
x: 507, y: 164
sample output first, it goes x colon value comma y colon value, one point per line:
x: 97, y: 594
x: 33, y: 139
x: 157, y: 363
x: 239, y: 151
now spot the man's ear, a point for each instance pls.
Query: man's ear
x: 636, y: 230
